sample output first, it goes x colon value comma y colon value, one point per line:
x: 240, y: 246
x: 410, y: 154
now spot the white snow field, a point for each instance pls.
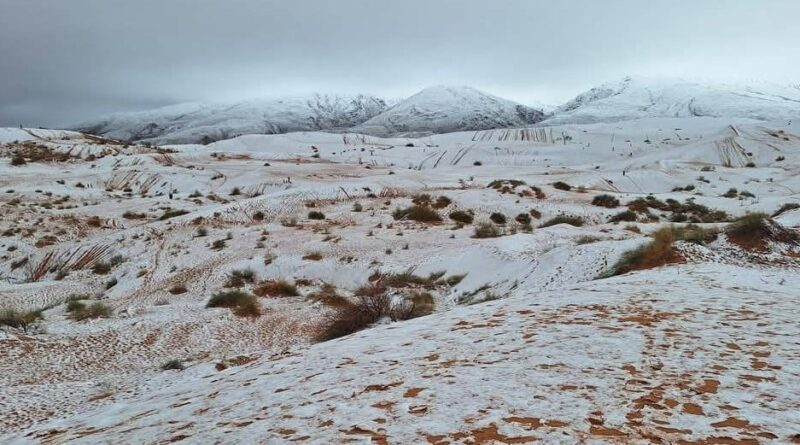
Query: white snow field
x: 115, y: 249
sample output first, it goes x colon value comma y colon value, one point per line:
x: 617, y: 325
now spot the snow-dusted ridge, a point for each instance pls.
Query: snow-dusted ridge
x: 641, y: 97
x: 444, y: 109
x: 203, y: 123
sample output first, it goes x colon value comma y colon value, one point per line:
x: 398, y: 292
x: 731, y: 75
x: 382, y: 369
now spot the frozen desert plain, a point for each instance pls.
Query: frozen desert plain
x: 530, y: 339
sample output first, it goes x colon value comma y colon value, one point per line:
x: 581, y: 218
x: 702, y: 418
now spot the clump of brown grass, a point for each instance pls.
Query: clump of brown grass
x: 240, y: 303
x: 754, y: 231
x: 656, y: 253
x: 276, y: 288
x: 419, y: 213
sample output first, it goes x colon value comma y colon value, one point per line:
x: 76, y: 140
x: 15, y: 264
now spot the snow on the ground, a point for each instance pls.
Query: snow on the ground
x: 555, y: 357
x: 701, y: 354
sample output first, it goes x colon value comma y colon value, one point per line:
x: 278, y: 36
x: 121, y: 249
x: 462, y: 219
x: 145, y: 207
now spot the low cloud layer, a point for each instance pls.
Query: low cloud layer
x: 62, y: 62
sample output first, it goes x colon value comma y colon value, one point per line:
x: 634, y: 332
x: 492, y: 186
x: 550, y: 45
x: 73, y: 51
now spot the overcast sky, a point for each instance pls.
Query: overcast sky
x: 65, y: 61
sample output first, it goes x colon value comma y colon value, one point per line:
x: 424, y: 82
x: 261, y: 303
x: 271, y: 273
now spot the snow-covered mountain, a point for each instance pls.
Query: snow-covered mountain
x: 633, y: 98
x: 443, y: 109
x: 200, y: 123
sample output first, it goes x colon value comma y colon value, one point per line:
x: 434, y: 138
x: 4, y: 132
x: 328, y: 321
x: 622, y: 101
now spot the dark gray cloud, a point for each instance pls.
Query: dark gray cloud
x: 63, y: 61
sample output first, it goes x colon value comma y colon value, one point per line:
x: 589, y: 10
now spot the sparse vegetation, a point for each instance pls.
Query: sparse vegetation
x: 172, y: 213
x: 486, y: 230
x: 785, y: 208
x: 606, y: 201
x: 240, y: 277
x: 418, y: 213
x: 498, y: 218
x: 276, y: 288
x: 754, y: 231
x: 316, y: 215
x: 241, y: 303
x: 462, y: 217
x: 572, y: 220
x: 656, y: 253
x: 79, y: 311
x: 625, y: 215
x: 20, y: 319
x: 561, y: 185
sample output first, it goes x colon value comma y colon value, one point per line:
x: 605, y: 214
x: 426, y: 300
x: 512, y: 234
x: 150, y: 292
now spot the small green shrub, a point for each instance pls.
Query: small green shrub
x: 625, y: 215
x: 486, y: 230
x: 19, y: 319
x: 316, y: 215
x: 572, y: 220
x: 461, y: 217
x: 240, y: 303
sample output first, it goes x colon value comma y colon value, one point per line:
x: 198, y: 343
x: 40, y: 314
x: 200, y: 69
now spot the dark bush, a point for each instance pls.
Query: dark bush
x: 461, y: 217
x: 576, y: 221
x: 240, y: 303
x: 418, y: 213
x: 560, y: 185
x: 498, y: 218
x: 607, y: 201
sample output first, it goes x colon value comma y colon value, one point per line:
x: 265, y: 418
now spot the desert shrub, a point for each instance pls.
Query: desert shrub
x: 345, y: 320
x: 523, y: 218
x: 572, y: 220
x: 18, y: 160
x: 607, y: 201
x: 111, y: 283
x: 587, y: 239
x: 750, y: 164
x: 418, y: 213
x: 536, y: 214
x: 357, y: 207
x: 656, y: 253
x: 172, y: 213
x: 133, y: 215
x: 172, y: 365
x: 561, y: 185
x: 177, y: 289
x: 276, y: 288
x: 461, y: 217
x: 477, y: 163
x: 240, y: 277
x: 539, y: 193
x: 417, y: 304
x: 19, y: 319
x: 754, y: 230
x: 625, y: 215
x: 313, y: 256
x: 441, y: 202
x: 79, y: 311
x: 240, y: 303
x: 316, y: 215
x: 486, y: 230
x: 218, y: 244
x: 236, y: 191
x: 693, y: 233
x: 498, y: 218
x: 499, y: 184
x: 422, y: 199
x: 258, y: 216
x: 101, y: 268
x: 731, y: 193
x: 746, y: 194
x: 785, y: 208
